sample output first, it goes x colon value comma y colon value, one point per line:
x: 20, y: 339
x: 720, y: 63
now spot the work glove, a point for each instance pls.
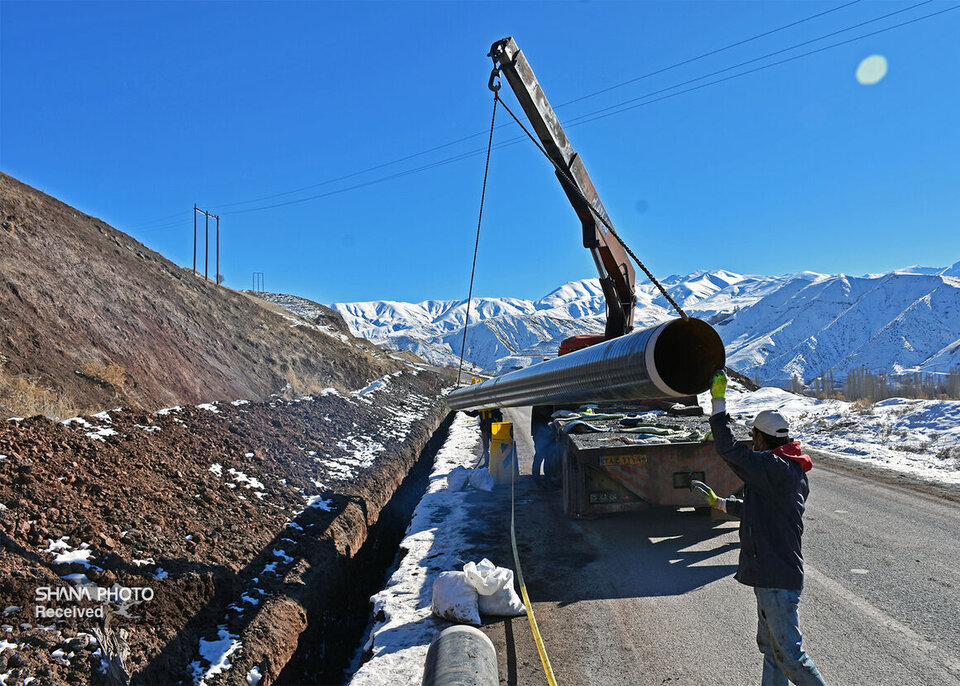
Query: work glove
x: 718, y: 391
x: 718, y: 386
x: 705, y: 491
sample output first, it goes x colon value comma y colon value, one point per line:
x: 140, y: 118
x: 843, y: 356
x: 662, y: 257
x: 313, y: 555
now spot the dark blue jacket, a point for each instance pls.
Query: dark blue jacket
x: 771, y: 513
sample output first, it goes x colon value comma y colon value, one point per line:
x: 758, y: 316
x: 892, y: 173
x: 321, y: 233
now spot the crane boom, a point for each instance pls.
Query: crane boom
x: 617, y: 276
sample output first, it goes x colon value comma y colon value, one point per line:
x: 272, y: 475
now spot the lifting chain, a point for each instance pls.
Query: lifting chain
x: 564, y: 175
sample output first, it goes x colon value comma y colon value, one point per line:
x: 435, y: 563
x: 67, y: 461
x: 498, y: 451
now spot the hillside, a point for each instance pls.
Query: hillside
x: 260, y: 520
x: 94, y: 315
x: 773, y: 326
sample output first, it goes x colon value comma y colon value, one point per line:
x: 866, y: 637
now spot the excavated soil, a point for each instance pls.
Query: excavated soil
x: 244, y: 519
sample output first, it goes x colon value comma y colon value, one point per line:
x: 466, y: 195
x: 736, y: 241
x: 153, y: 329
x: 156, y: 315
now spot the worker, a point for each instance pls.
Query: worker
x: 487, y: 418
x: 771, y: 513
x: 544, y: 444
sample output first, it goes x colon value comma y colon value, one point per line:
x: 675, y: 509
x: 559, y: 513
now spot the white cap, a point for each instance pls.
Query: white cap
x: 772, y: 423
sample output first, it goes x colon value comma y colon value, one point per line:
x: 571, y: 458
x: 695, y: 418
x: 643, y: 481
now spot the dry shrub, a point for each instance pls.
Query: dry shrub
x: 863, y: 406
x: 112, y: 375
x: 951, y: 456
x: 27, y: 397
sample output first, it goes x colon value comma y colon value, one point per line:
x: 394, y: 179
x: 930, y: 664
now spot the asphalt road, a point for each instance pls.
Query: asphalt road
x: 649, y: 598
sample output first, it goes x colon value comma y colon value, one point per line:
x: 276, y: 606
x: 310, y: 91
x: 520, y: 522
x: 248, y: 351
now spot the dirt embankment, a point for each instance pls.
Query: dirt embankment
x: 241, y: 518
x: 243, y: 521
x: 91, y: 318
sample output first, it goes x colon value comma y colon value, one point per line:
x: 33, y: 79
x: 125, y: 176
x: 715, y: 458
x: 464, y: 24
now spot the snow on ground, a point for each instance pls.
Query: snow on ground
x: 434, y: 542
x: 377, y: 385
x: 97, y: 433
x: 329, y: 331
x: 216, y: 654
x: 362, y: 450
x: 920, y: 437
x: 80, y: 555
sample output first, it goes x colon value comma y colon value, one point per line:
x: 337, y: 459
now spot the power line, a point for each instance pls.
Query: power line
x: 159, y: 220
x: 605, y: 112
x: 583, y: 97
x: 706, y: 54
x: 758, y: 59
x: 602, y: 113
x: 760, y: 68
x: 162, y: 227
x: 356, y: 173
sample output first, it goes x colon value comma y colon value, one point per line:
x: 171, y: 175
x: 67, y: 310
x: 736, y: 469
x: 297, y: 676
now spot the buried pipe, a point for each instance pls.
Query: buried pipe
x: 461, y: 656
x: 672, y: 360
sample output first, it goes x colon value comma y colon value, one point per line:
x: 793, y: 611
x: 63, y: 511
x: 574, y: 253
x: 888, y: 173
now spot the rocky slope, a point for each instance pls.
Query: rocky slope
x: 91, y: 318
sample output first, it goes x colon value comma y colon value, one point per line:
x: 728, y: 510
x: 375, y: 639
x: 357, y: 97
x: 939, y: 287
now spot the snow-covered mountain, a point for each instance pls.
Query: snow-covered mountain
x: 773, y: 326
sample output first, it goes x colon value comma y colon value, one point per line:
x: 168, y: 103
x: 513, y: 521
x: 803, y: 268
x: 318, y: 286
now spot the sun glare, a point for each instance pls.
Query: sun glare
x: 872, y: 70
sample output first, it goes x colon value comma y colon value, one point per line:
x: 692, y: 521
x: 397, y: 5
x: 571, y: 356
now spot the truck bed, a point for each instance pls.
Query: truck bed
x: 687, y: 430
x: 615, y: 470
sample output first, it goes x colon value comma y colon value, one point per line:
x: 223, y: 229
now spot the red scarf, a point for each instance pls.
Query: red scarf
x: 792, y: 451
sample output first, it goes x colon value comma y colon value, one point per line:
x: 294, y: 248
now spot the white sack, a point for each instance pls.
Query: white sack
x: 457, y: 478
x: 486, y: 577
x: 494, y: 586
x: 481, y: 479
x: 455, y: 599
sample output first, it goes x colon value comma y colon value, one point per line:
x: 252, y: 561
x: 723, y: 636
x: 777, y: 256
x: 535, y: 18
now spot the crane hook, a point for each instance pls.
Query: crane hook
x: 494, y: 75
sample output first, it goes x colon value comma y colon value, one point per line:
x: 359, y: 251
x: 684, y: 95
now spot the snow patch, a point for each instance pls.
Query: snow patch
x: 247, y: 481
x: 73, y: 556
x: 317, y: 502
x: 282, y: 554
x: 400, y: 640
x: 215, y: 653
x: 374, y: 386
x: 101, y: 433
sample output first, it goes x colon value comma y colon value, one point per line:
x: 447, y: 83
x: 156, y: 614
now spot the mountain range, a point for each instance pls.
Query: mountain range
x: 774, y: 327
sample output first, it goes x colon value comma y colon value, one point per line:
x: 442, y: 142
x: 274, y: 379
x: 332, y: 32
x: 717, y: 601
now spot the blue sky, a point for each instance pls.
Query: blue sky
x: 134, y: 111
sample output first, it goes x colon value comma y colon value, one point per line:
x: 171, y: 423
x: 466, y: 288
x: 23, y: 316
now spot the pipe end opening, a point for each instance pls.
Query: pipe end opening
x: 687, y: 354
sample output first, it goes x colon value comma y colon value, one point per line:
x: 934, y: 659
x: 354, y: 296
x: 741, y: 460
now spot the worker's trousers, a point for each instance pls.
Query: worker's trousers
x: 779, y: 639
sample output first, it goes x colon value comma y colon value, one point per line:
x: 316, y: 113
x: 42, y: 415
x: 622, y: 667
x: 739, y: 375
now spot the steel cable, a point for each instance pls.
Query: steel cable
x: 576, y: 189
x: 476, y: 245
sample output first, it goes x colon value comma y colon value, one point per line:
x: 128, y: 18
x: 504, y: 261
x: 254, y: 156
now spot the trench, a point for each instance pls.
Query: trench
x: 335, y: 634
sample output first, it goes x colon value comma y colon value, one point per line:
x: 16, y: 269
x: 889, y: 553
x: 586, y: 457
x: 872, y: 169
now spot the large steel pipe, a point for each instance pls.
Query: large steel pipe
x: 461, y: 656
x: 671, y: 360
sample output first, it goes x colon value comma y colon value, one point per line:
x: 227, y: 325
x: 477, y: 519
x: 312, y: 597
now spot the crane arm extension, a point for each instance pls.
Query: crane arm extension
x: 617, y: 275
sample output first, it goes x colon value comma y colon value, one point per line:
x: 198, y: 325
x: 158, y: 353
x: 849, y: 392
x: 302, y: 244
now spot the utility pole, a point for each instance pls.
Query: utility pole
x: 217, y: 275
x: 206, y: 242
x: 206, y: 245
